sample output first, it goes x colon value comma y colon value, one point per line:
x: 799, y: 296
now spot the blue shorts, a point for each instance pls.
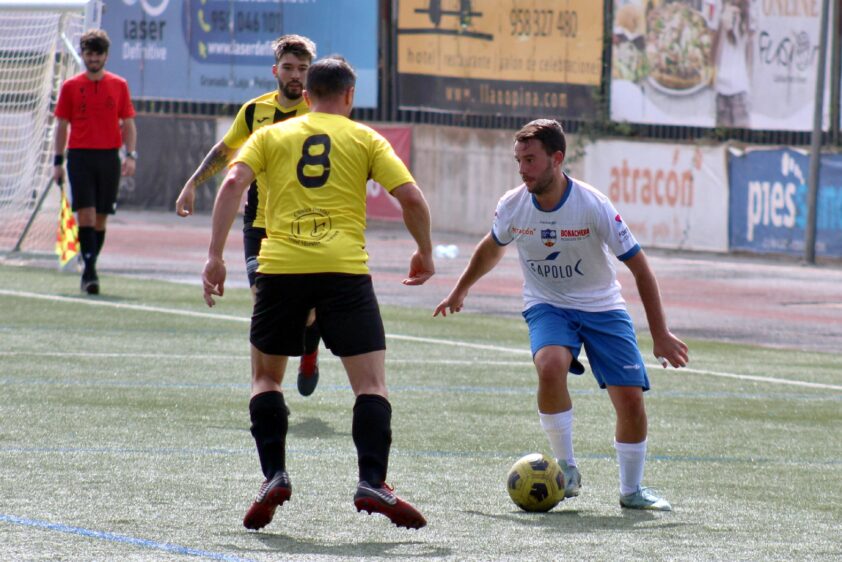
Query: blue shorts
x: 609, y: 339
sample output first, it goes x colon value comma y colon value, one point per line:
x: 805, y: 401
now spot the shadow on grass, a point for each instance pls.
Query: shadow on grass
x: 312, y: 427
x: 399, y: 549
x: 574, y: 521
x: 102, y: 297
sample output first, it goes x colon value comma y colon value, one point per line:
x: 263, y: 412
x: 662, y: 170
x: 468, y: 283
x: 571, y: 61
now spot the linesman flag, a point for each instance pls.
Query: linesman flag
x: 67, y: 237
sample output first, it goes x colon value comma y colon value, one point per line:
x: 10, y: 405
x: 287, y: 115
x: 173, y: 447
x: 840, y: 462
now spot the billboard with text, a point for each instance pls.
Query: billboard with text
x: 221, y: 50
x: 542, y: 57
x: 671, y: 196
x: 769, y: 202
x: 716, y: 63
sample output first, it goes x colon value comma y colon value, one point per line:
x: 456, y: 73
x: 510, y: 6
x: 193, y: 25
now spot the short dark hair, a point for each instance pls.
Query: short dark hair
x: 548, y: 131
x: 298, y: 45
x: 329, y: 77
x: 95, y: 40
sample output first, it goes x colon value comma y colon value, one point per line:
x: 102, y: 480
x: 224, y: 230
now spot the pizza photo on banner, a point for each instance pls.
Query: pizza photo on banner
x: 493, y: 57
x: 747, y: 64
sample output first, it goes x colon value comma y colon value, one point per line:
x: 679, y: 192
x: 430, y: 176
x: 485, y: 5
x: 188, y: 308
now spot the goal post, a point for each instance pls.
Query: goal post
x: 38, y: 44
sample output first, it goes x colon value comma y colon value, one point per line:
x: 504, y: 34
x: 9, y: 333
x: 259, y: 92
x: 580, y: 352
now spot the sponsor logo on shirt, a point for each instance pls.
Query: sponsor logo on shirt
x: 523, y: 231
x: 574, y: 233
x: 548, y: 236
x: 548, y: 269
x: 622, y: 230
x: 312, y: 227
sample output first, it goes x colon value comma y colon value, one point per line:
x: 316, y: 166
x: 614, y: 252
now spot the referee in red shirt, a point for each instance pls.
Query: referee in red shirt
x: 93, y: 104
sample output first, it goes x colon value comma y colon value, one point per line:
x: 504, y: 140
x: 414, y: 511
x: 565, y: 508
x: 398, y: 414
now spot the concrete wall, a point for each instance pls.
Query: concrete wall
x: 463, y: 172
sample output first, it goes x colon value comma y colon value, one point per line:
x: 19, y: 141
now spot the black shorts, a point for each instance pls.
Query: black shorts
x: 252, y: 237
x: 346, y: 311
x: 94, y: 177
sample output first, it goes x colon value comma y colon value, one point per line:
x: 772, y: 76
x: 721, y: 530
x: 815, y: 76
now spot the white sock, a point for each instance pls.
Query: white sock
x: 630, y: 457
x: 559, y: 430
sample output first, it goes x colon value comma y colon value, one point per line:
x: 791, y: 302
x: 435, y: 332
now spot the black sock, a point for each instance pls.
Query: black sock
x: 100, y: 240
x: 312, y: 336
x: 269, y: 424
x: 372, y: 432
x: 88, y: 249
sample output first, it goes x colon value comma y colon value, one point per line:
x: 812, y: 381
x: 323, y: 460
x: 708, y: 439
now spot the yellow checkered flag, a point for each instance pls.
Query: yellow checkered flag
x: 67, y: 237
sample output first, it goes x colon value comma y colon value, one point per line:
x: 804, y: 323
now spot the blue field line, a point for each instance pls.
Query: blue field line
x: 112, y: 537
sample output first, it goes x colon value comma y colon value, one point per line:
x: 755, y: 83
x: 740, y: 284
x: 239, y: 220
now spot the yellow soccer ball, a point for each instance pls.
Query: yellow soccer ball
x: 535, y: 483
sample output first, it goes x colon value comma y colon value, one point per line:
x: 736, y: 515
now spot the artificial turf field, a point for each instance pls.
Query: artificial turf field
x: 125, y: 435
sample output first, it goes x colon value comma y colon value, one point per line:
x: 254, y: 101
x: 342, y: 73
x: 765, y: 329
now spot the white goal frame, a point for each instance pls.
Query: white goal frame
x: 38, y: 51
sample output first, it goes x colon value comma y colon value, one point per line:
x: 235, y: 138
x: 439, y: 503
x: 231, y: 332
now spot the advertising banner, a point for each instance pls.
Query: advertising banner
x: 379, y: 204
x: 671, y: 196
x: 716, y: 63
x: 221, y: 50
x: 769, y: 202
x: 542, y: 57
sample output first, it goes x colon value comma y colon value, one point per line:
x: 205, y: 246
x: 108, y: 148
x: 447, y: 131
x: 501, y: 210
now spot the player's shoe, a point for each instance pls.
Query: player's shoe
x: 90, y: 284
x: 384, y: 500
x: 572, y: 480
x: 645, y: 498
x: 272, y: 493
x: 308, y: 373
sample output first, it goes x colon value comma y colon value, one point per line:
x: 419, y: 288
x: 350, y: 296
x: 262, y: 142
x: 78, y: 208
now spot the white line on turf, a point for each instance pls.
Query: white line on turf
x: 400, y: 337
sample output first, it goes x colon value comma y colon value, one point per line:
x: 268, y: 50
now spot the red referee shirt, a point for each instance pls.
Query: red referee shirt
x: 94, y: 110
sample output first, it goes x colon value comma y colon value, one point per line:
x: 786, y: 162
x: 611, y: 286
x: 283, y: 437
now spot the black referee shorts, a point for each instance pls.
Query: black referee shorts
x: 347, y: 313
x: 94, y: 177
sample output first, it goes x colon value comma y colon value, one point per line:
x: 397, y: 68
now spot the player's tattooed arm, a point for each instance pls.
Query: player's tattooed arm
x: 214, y: 162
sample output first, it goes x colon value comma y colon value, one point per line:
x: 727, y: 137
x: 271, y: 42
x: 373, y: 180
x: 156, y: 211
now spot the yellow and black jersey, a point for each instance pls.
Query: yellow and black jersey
x: 254, y: 114
x: 316, y: 168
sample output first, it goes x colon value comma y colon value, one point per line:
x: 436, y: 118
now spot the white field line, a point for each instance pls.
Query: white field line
x: 435, y: 341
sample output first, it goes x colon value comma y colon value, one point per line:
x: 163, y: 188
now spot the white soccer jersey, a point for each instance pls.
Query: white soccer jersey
x: 564, y: 253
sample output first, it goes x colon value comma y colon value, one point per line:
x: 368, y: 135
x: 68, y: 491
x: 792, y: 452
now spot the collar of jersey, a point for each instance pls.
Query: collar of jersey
x: 563, y: 197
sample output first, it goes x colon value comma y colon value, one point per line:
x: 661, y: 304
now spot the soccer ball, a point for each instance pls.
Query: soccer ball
x: 535, y: 483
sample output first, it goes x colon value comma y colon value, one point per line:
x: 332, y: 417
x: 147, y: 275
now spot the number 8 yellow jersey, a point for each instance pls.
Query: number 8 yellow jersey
x: 316, y: 168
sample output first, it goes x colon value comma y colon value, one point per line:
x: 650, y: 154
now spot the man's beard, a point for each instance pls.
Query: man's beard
x: 292, y: 95
x: 543, y: 182
x: 94, y: 67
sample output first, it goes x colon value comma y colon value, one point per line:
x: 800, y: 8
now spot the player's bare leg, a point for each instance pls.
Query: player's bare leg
x: 630, y: 443
x: 555, y: 410
x: 552, y: 364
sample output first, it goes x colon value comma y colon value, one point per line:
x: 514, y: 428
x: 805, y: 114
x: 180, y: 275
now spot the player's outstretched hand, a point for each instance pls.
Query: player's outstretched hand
x: 671, y: 351
x: 213, y: 279
x: 421, y: 268
x: 452, y: 303
x: 184, y: 203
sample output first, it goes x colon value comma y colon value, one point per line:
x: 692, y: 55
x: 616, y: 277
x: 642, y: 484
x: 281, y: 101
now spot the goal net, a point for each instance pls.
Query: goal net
x: 38, y: 43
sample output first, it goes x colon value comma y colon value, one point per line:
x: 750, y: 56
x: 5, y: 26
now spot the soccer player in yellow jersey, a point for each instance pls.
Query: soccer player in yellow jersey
x: 316, y: 167
x: 293, y: 55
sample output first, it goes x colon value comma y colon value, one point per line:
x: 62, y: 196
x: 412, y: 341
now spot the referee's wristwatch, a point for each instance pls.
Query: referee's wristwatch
x: 132, y: 154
